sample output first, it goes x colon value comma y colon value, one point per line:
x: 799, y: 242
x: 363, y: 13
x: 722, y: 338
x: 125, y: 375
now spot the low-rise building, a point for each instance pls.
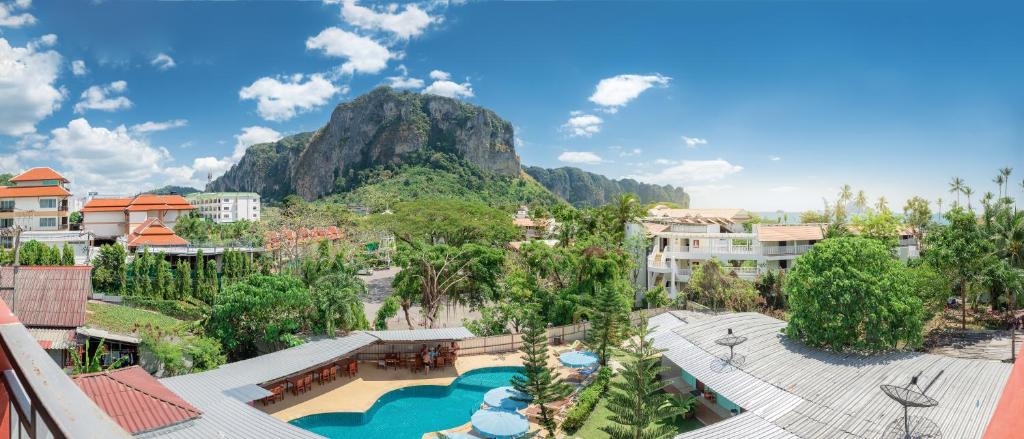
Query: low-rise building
x: 50, y: 302
x: 36, y: 200
x: 534, y: 228
x: 226, y: 207
x: 110, y: 219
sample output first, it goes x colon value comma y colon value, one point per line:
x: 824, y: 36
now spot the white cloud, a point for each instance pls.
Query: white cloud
x: 783, y: 189
x: 251, y: 136
x: 280, y: 99
x: 78, y: 67
x: 774, y: 158
x: 149, y: 126
x: 444, y: 86
x: 405, y: 82
x: 11, y: 17
x: 583, y: 125
x: 102, y: 98
x: 364, y: 55
x: 619, y: 90
x: 688, y: 171
x: 163, y: 61
x: 580, y: 157
x: 28, y: 92
x: 693, y: 142
x: 439, y: 75
x: 631, y: 153
x: 665, y: 162
x: 411, y: 22
x: 48, y: 40
x: 106, y: 160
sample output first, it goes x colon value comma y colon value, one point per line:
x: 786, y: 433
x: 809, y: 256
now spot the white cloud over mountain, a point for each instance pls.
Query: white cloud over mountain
x: 620, y: 90
x: 28, y: 89
x: 690, y: 171
x: 444, y: 86
x: 106, y: 160
x: 282, y: 98
x: 251, y: 136
x: 412, y: 21
x: 150, y: 126
x: 580, y: 158
x: 363, y: 54
x: 583, y: 125
x: 104, y: 98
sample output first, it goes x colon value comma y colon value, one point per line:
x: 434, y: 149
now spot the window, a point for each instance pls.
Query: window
x: 47, y: 222
x: 227, y: 208
x: 47, y: 203
x: 6, y: 222
x: 50, y: 182
x: 225, y: 215
x: 6, y: 205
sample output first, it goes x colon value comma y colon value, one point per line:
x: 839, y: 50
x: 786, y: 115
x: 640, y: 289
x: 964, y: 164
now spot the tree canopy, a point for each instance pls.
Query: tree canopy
x: 258, y: 310
x: 449, y: 221
x: 851, y: 294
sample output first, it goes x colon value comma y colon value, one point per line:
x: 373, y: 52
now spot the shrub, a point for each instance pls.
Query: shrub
x: 586, y: 401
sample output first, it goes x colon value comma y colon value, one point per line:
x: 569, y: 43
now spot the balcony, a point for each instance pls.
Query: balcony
x: 785, y: 250
x: 38, y: 399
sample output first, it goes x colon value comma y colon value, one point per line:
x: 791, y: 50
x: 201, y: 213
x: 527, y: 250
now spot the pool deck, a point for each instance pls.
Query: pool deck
x: 359, y: 393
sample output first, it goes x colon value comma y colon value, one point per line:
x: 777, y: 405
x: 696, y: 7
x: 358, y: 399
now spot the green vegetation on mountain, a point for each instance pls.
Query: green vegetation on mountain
x: 5, y: 179
x: 172, y: 189
x: 585, y: 189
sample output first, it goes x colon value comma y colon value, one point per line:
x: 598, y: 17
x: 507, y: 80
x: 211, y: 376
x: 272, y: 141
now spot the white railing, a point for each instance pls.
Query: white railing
x: 742, y: 271
x: 910, y: 242
x: 783, y: 250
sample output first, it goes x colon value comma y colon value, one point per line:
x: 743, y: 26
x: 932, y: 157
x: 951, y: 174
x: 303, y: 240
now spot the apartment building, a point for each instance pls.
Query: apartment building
x: 226, y: 207
x: 146, y: 215
x: 37, y: 200
x: 684, y: 239
x: 539, y: 228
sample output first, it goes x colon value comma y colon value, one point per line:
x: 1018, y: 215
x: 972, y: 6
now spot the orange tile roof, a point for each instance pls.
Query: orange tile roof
x: 154, y: 233
x: 1007, y: 422
x: 33, y: 191
x: 36, y: 174
x: 790, y: 232
x: 171, y: 200
x: 136, y: 400
x: 106, y: 204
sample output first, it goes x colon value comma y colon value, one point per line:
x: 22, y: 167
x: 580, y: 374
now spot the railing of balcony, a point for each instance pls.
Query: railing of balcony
x: 783, y: 250
x: 38, y: 400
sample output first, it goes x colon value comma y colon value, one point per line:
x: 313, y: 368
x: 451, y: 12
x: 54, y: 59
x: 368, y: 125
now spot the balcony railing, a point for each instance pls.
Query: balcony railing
x: 784, y: 250
x: 38, y: 399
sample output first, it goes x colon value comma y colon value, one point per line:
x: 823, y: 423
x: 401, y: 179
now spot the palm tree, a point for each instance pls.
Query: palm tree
x: 987, y: 198
x: 1008, y: 237
x: 845, y: 193
x: 882, y: 205
x: 968, y: 192
x: 1005, y: 173
x: 861, y: 202
x: 956, y: 186
x: 999, y: 180
x: 939, y: 203
x: 625, y: 210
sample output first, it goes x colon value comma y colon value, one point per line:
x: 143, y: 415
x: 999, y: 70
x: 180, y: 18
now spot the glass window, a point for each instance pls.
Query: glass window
x: 47, y: 203
x: 47, y: 222
x: 7, y: 205
x: 50, y: 182
x: 6, y: 222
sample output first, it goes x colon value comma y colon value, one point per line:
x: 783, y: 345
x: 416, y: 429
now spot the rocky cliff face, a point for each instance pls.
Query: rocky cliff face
x: 585, y: 189
x: 374, y: 129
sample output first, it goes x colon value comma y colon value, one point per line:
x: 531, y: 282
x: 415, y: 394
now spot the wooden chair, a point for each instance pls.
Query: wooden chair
x: 353, y: 368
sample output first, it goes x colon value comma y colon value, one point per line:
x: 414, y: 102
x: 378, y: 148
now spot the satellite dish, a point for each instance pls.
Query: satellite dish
x: 912, y: 395
x: 731, y: 340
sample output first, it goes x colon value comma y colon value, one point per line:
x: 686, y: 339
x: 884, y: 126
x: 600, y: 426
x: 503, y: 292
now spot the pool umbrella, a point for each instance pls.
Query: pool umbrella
x: 578, y: 359
x: 505, y: 398
x: 500, y: 424
x: 458, y: 435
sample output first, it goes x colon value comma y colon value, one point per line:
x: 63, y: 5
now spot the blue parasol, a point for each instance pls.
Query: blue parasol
x: 578, y: 359
x: 500, y: 424
x: 505, y: 398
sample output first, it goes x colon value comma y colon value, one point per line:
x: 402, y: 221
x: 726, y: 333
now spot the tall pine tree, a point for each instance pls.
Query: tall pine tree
x: 201, y: 283
x: 184, y: 279
x: 609, y: 322
x: 538, y: 379
x: 639, y: 406
x: 67, y: 256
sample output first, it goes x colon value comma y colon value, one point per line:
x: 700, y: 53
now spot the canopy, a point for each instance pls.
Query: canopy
x: 500, y: 424
x: 578, y: 359
x: 505, y: 398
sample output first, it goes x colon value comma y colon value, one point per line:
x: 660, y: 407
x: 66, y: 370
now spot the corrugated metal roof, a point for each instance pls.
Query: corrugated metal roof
x: 248, y: 392
x: 48, y: 296
x: 107, y: 335
x: 436, y: 334
x: 51, y: 338
x: 135, y: 400
x: 743, y: 426
x: 225, y: 417
x: 811, y: 393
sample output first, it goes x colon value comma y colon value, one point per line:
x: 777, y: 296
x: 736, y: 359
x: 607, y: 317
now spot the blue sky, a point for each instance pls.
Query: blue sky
x: 761, y: 105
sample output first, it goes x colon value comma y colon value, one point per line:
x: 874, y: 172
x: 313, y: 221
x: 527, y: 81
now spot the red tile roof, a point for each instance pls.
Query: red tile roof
x: 48, y: 296
x: 162, y: 202
x: 36, y: 174
x: 275, y: 239
x: 33, y: 191
x: 136, y: 400
x: 1007, y: 421
x: 106, y: 204
x: 154, y: 233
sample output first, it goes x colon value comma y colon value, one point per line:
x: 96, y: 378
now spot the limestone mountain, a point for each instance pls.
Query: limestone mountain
x: 377, y: 145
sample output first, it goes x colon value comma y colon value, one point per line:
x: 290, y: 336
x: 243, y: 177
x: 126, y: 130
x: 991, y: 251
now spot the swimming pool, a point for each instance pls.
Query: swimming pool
x: 409, y: 412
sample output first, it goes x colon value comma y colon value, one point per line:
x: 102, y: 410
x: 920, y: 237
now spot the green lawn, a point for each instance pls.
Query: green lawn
x: 126, y: 320
x: 592, y: 428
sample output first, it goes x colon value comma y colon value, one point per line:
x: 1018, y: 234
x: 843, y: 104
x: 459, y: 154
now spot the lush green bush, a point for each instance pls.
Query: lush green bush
x: 205, y: 353
x: 586, y: 401
x: 851, y: 294
x: 259, y: 311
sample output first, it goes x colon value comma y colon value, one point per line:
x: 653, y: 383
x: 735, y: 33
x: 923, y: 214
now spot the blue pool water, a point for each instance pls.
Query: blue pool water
x: 410, y: 412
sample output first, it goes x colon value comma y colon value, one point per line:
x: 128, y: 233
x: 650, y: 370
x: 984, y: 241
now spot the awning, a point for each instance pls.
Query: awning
x: 248, y: 393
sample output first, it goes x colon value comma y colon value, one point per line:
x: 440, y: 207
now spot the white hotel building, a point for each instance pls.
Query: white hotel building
x: 226, y: 207
x: 683, y: 239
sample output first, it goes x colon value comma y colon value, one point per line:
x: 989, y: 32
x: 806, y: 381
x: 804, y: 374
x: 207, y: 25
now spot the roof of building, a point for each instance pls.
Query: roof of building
x: 107, y: 335
x: 221, y: 195
x: 655, y: 228
x: 52, y: 297
x: 53, y: 338
x: 33, y: 191
x: 1007, y: 421
x: 153, y: 233
x: 516, y: 245
x: 106, y: 204
x: 136, y: 400
x: 36, y: 174
x: 416, y: 335
x: 790, y: 232
x: 700, y: 216
x: 139, y: 203
x: 810, y: 393
x: 214, y: 391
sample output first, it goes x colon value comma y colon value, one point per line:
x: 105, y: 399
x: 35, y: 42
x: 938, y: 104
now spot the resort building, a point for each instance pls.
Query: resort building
x: 143, y: 220
x: 36, y: 200
x: 773, y: 387
x: 50, y: 302
x: 534, y: 228
x: 681, y: 240
x: 226, y: 207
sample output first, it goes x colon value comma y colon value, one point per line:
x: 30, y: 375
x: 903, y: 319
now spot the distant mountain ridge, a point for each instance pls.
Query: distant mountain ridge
x: 171, y: 189
x: 586, y: 189
x: 387, y: 128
